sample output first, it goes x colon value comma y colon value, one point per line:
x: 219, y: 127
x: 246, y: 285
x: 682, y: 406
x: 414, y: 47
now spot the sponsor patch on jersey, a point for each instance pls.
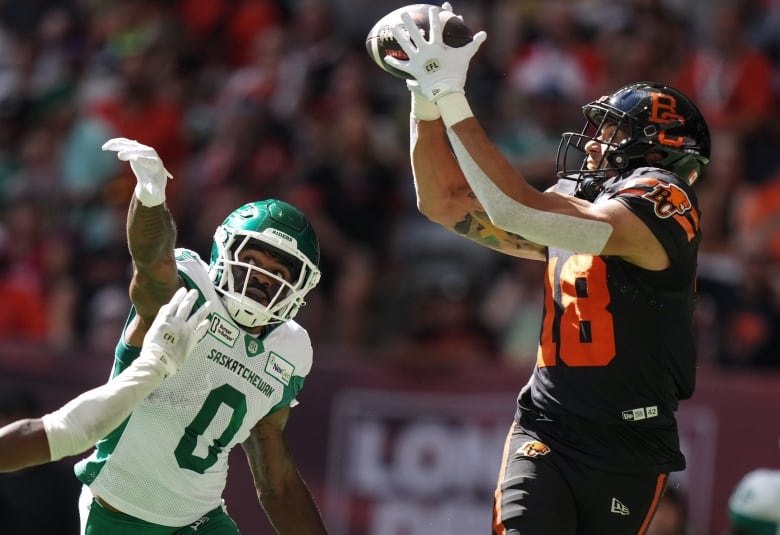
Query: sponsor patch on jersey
x: 533, y: 448
x: 279, y: 368
x: 641, y: 413
x: 224, y: 330
x: 669, y: 200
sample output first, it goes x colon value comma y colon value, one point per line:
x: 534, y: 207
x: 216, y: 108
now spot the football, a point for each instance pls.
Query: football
x: 380, y: 41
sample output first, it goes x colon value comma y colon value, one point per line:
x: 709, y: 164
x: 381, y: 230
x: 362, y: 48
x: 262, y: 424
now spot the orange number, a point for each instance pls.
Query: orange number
x: 584, y: 335
x: 545, y: 355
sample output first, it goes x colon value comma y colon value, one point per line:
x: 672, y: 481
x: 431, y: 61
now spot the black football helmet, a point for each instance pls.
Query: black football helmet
x: 663, y: 129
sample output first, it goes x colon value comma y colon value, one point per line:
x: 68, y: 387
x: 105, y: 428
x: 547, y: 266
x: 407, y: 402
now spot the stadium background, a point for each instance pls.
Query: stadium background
x: 421, y: 340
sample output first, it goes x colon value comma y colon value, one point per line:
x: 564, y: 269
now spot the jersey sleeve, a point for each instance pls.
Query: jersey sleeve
x: 302, y: 355
x: 665, y: 204
x: 194, y: 271
x: 290, y: 395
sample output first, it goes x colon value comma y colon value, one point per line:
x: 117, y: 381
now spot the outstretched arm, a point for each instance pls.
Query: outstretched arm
x: 443, y: 194
x: 551, y: 218
x: 445, y: 197
x: 81, y: 422
x: 151, y: 235
x: 547, y: 218
x: 280, y: 488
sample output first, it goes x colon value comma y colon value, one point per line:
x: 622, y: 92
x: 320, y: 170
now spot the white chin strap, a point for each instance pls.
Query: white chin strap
x: 251, y: 316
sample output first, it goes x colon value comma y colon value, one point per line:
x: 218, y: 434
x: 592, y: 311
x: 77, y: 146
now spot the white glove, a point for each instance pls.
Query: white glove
x: 78, y: 424
x: 147, y: 168
x: 172, y: 336
x: 438, y: 68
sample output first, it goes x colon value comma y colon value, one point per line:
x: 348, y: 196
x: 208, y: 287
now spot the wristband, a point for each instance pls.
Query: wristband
x: 454, y: 108
x: 423, y: 109
x: 150, y: 188
x: 147, y: 198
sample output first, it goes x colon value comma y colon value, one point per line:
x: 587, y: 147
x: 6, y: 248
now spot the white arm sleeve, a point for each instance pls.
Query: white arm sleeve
x: 81, y: 422
x: 545, y: 228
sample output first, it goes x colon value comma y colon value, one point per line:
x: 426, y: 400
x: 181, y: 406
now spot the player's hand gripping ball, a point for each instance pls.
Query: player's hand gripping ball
x: 380, y: 41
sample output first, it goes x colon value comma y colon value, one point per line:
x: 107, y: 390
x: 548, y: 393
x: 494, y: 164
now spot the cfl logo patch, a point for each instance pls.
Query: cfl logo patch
x: 169, y: 338
x: 432, y: 65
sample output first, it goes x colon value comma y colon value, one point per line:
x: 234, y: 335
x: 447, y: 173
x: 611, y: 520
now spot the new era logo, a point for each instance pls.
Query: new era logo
x: 619, y: 508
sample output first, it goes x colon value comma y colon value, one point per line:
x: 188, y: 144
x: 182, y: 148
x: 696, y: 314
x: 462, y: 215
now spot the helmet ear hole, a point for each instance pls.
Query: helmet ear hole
x: 617, y: 159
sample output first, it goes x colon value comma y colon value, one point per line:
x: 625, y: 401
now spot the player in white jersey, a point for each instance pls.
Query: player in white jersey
x: 164, y: 469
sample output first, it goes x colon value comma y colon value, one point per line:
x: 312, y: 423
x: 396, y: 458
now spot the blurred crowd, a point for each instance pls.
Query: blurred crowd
x: 251, y: 99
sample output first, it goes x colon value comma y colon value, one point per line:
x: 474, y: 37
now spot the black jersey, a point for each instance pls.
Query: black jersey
x: 616, y: 349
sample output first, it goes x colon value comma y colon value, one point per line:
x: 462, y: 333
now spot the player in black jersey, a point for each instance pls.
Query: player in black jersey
x: 594, y: 436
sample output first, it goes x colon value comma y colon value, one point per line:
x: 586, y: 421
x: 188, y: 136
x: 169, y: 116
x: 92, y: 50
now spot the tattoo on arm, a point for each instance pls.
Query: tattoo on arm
x: 151, y: 233
x: 476, y: 226
x: 151, y: 237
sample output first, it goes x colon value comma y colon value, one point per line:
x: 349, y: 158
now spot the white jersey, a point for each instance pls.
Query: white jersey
x: 167, y: 463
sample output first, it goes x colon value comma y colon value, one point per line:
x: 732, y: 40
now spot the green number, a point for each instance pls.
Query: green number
x: 185, y: 450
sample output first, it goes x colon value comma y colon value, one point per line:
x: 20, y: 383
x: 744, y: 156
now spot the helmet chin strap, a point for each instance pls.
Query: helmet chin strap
x: 591, y: 184
x: 589, y: 188
x: 249, y: 319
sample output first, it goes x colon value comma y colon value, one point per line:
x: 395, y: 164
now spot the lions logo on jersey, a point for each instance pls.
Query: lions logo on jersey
x: 669, y: 200
x: 533, y: 448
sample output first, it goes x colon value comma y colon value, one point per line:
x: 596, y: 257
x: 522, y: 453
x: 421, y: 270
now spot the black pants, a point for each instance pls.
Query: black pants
x: 541, y: 492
